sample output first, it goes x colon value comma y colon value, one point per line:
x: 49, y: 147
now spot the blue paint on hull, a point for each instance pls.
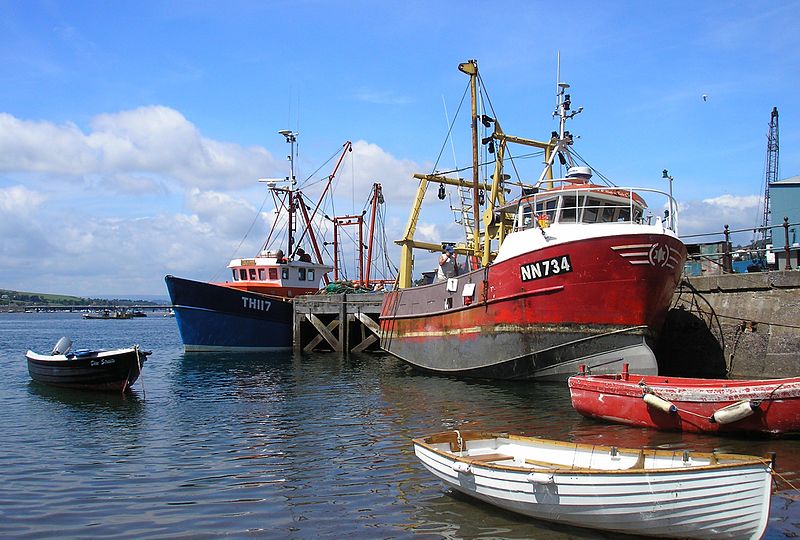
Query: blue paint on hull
x: 215, y: 318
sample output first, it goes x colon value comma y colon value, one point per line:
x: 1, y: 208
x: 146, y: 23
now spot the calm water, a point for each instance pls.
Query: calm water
x: 270, y: 445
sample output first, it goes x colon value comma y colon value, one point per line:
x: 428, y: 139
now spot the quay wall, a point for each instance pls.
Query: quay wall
x: 734, y: 325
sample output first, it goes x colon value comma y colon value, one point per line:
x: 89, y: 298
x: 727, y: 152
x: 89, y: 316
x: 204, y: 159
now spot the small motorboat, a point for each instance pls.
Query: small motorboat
x: 768, y: 406
x: 673, y: 494
x: 109, y: 370
x: 108, y: 314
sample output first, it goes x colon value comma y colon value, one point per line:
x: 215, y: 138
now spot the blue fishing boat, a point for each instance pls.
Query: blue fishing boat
x: 252, y: 310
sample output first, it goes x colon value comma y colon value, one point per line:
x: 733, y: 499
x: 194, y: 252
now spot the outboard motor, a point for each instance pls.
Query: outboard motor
x: 62, y: 347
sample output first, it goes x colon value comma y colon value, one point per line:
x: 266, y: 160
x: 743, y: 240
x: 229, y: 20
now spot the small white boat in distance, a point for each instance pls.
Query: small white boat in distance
x: 672, y: 494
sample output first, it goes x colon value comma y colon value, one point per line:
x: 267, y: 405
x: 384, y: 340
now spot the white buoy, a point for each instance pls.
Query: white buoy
x: 461, y: 467
x: 661, y: 404
x: 541, y: 477
x: 735, y: 412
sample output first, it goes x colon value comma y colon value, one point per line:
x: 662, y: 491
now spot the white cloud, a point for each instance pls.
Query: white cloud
x: 227, y: 215
x: 130, y: 144
x: 19, y: 200
x: 369, y: 163
x: 734, y: 202
x: 710, y: 216
x: 180, y: 204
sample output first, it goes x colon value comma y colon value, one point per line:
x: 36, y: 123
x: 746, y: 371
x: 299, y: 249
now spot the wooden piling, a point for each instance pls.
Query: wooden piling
x: 340, y: 323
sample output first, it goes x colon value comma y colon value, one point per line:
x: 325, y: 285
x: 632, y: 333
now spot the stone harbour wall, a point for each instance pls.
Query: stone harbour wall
x: 735, y: 325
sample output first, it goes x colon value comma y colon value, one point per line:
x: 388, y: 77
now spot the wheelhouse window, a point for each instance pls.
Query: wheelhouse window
x: 301, y: 274
x: 252, y: 274
x: 235, y: 274
x: 591, y: 212
x: 262, y: 274
x: 569, y: 209
x: 310, y: 274
x: 284, y: 273
x: 243, y: 274
x: 549, y: 208
x: 526, y: 217
x: 273, y: 274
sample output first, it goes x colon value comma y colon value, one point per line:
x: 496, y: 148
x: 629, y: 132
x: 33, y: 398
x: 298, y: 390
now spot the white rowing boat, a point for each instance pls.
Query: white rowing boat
x: 674, y: 494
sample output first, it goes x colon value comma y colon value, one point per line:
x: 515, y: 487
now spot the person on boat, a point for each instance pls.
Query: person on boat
x: 447, y: 264
x: 280, y: 257
x: 303, y: 256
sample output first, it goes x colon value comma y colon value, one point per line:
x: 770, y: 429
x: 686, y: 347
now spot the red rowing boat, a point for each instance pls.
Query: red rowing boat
x: 684, y: 404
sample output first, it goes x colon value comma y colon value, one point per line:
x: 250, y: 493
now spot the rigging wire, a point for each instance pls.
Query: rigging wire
x: 598, y: 173
x: 450, y: 130
x: 304, y: 184
x: 249, y: 229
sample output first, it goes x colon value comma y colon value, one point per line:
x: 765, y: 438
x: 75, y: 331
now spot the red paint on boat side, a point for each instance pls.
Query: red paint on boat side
x: 612, y: 398
x: 603, y: 288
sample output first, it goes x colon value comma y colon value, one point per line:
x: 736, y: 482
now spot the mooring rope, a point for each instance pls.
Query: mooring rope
x: 779, y: 475
x: 141, y: 377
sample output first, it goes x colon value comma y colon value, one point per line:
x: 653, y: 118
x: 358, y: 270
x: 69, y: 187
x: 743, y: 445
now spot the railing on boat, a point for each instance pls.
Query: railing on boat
x: 569, y: 205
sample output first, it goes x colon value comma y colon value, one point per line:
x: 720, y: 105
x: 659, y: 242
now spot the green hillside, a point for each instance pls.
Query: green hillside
x: 9, y: 298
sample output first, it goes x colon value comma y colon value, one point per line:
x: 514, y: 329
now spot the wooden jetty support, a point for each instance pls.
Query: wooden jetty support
x: 338, y: 322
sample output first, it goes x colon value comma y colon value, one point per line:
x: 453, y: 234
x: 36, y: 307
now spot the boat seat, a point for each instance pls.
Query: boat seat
x: 485, y: 458
x: 550, y: 465
x: 638, y: 464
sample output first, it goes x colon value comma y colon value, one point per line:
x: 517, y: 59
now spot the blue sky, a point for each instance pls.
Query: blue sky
x: 132, y: 133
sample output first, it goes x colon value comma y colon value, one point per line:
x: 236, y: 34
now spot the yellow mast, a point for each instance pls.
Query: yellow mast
x: 495, y: 226
x: 470, y: 67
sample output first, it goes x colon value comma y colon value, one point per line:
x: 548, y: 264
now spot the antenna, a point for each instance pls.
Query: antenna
x: 558, y: 76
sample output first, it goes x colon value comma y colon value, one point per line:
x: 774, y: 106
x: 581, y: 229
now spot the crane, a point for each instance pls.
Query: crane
x: 770, y: 169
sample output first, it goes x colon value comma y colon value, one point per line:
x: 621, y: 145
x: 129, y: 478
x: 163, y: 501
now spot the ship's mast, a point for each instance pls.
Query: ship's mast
x: 470, y: 67
x: 291, y: 138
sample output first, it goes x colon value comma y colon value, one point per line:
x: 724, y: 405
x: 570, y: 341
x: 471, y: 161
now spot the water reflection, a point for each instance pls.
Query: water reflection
x: 272, y: 445
x: 129, y: 402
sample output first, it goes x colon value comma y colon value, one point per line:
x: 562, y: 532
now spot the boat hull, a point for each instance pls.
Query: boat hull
x: 707, y: 496
x: 619, y: 399
x: 114, y: 370
x: 600, y: 307
x: 214, y: 318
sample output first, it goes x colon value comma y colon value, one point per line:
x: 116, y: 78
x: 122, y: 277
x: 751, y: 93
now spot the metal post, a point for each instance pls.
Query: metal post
x: 361, y: 250
x: 335, y: 249
x: 665, y: 174
x: 786, y: 235
x: 727, y: 264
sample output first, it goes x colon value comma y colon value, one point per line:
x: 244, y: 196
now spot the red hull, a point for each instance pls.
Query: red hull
x: 532, y: 318
x: 619, y: 398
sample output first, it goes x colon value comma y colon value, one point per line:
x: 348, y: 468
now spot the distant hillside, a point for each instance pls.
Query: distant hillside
x: 11, y: 298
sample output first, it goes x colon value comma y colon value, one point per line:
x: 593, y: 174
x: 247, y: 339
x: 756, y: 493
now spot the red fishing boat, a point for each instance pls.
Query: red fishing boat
x: 770, y: 406
x: 564, y: 272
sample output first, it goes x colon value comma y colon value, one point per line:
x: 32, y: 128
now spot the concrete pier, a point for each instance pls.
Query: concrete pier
x: 742, y: 325
x: 338, y: 322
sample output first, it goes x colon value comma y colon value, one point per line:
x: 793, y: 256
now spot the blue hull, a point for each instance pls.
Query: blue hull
x: 215, y: 318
